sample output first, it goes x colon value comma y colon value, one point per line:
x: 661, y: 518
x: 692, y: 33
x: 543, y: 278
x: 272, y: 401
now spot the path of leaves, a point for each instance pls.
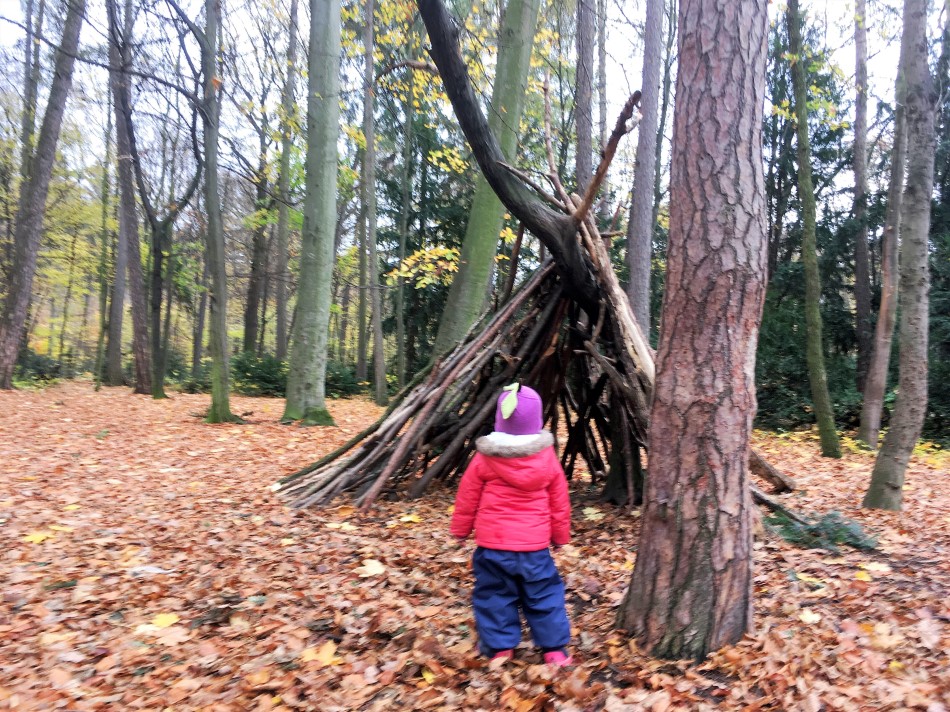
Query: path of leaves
x: 147, y: 566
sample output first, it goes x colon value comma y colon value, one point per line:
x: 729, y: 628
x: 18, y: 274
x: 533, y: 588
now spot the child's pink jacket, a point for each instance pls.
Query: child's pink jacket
x: 514, y: 496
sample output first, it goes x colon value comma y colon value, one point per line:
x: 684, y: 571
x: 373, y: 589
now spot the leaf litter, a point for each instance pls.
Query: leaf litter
x: 155, y: 569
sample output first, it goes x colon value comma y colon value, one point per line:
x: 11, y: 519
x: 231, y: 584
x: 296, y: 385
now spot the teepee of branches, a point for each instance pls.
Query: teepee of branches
x: 567, y: 330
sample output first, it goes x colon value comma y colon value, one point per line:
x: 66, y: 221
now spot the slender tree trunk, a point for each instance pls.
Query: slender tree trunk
x: 824, y: 411
x: 368, y: 199
x: 255, y: 284
x: 31, y: 81
x: 405, y: 207
x: 31, y: 209
x: 862, y: 269
x: 640, y: 227
x: 105, y: 239
x: 664, y: 104
x: 306, y: 386
x: 198, y: 340
x: 67, y: 297
x: 220, y: 410
x: 887, y: 478
x: 602, y: 95
x: 467, y: 294
x: 283, y: 184
x: 128, y: 250
x: 362, y: 303
x: 876, y: 382
x: 583, y: 94
x: 691, y: 590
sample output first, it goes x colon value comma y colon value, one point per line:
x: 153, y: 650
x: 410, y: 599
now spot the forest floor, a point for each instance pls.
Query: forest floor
x: 148, y: 566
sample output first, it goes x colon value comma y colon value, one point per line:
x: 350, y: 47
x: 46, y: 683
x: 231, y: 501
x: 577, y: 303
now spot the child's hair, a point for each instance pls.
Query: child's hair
x: 519, y: 411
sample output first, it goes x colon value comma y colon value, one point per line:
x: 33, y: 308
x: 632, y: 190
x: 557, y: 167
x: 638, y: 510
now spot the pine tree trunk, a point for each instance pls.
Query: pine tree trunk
x: 31, y: 209
x: 862, y: 267
x: 220, y: 410
x: 467, y: 294
x: 691, y: 590
x: 283, y: 185
x: 308, y: 357
x: 876, y: 383
x: 583, y: 94
x: 640, y: 227
x: 887, y: 478
x: 817, y: 376
x: 31, y: 81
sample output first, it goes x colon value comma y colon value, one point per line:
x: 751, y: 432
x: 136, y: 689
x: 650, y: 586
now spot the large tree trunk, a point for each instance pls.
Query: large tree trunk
x: 862, y: 267
x: 368, y: 199
x: 691, y: 590
x: 31, y: 81
x: 640, y: 227
x: 283, y: 185
x: 220, y: 410
x: 31, y: 209
x: 466, y: 298
x: 887, y: 478
x: 876, y: 382
x: 584, y: 94
x: 308, y: 357
x: 824, y: 411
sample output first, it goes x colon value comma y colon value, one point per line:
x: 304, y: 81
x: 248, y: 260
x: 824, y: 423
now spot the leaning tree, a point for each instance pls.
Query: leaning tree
x: 568, y: 330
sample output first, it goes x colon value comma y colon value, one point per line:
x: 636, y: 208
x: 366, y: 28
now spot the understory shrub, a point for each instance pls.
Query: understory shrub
x: 32, y: 367
x: 259, y: 375
x: 827, y: 532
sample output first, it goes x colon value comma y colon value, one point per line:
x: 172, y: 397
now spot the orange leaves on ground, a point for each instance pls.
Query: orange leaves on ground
x: 154, y: 568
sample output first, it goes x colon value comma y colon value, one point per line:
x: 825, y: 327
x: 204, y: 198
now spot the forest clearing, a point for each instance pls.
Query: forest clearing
x: 149, y: 566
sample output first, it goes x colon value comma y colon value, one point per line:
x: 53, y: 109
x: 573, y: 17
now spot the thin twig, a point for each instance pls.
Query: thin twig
x: 526, y: 179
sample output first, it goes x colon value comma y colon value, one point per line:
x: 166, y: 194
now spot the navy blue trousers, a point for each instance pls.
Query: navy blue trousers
x: 507, y: 580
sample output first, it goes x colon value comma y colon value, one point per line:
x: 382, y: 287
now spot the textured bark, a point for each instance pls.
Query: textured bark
x: 887, y: 478
x: 817, y: 376
x: 368, y: 198
x: 876, y: 383
x: 862, y: 267
x: 467, y: 294
x: 584, y: 94
x: 283, y: 185
x: 31, y: 209
x: 127, y: 247
x: 640, y: 226
x: 220, y: 410
x: 31, y: 81
x: 691, y: 590
x: 308, y: 356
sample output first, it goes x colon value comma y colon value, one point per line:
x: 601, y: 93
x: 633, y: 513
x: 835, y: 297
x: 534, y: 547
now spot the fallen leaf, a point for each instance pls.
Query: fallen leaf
x: 370, y: 567
x: 809, y: 616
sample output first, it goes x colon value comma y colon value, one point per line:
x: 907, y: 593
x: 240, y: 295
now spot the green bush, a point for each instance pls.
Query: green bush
x: 341, y: 380
x: 200, y: 381
x: 828, y: 532
x: 259, y: 375
x: 32, y: 367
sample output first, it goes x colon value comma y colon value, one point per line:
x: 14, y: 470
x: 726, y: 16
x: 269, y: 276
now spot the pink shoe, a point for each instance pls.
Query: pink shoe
x: 558, y: 658
x: 503, y: 655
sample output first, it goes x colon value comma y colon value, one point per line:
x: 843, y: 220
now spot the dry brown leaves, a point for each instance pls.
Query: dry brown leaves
x: 148, y: 566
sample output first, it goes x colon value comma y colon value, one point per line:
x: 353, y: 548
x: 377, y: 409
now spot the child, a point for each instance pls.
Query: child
x: 514, y: 494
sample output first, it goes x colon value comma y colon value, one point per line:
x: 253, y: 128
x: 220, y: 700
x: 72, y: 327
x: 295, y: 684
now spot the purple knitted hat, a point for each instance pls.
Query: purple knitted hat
x: 526, y: 418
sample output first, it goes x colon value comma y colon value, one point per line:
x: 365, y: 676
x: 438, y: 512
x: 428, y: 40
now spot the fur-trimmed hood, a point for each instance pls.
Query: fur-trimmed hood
x: 504, y: 445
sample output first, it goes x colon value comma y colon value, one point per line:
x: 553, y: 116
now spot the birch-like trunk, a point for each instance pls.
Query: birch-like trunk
x: 584, y: 94
x: 862, y: 265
